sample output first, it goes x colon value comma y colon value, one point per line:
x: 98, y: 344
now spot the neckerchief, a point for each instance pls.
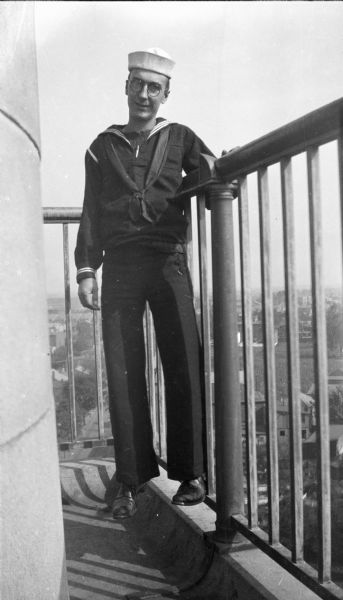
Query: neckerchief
x: 139, y: 205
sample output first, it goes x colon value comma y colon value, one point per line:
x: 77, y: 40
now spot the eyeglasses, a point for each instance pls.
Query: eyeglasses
x: 136, y: 85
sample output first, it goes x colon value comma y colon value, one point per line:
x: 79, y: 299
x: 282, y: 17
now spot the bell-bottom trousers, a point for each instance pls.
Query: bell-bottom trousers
x: 132, y: 276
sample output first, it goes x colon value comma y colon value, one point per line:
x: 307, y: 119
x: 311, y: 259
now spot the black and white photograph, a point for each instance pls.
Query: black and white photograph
x: 171, y: 305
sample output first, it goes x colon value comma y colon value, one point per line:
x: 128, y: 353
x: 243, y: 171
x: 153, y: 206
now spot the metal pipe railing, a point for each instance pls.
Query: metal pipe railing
x: 98, y: 374
x: 69, y: 342
x: 65, y: 216
x: 248, y: 355
x: 229, y: 467
x: 318, y: 127
x: 269, y: 356
x: 321, y: 368
x: 206, y: 338
x: 303, y: 135
x: 57, y: 214
x: 293, y: 371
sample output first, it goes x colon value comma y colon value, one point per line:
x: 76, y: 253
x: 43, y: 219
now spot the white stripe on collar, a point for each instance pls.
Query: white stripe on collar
x: 118, y: 133
x: 159, y: 126
x: 92, y: 155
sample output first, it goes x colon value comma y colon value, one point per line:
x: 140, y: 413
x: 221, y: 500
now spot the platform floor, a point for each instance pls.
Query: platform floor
x: 105, y: 559
x: 163, y: 551
x: 109, y: 559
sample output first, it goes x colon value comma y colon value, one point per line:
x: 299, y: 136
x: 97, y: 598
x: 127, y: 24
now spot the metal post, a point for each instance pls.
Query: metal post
x: 69, y: 334
x: 98, y: 373
x: 320, y: 367
x: 229, y: 467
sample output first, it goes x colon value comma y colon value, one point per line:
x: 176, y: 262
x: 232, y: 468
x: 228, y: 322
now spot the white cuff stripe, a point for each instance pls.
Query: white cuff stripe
x: 84, y: 269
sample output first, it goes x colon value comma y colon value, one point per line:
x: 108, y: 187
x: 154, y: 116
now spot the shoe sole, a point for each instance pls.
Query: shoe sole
x: 192, y: 503
x: 121, y: 517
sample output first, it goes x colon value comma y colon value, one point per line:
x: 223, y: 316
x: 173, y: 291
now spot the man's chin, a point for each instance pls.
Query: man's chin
x: 143, y: 113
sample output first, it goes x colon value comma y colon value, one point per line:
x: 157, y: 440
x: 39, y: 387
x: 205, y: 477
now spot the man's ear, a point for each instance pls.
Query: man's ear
x: 165, y: 97
x: 126, y: 87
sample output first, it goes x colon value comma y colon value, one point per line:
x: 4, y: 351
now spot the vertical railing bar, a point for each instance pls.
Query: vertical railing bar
x: 269, y: 356
x: 293, y: 360
x: 158, y: 388
x: 206, y: 343
x: 340, y: 180
x: 151, y: 360
x: 248, y: 353
x: 98, y: 373
x: 155, y: 387
x: 69, y: 329
x: 320, y: 367
x: 161, y: 408
x: 189, y: 238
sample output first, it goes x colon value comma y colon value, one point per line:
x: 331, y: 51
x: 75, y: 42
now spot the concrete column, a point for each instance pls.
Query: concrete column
x: 31, y: 527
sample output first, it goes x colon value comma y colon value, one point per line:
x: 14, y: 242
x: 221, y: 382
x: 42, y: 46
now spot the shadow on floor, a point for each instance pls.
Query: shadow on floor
x: 153, y: 555
x: 105, y: 559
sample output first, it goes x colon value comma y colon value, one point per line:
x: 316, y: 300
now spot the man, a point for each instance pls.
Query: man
x: 133, y: 226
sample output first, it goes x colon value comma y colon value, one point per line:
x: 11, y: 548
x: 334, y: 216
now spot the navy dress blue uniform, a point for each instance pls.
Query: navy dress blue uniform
x: 140, y: 240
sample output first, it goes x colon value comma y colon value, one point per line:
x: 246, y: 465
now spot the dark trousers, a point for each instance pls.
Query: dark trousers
x: 132, y: 276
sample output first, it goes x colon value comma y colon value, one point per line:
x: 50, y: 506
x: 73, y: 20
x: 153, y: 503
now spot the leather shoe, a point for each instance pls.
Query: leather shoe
x: 190, y: 492
x: 124, y: 505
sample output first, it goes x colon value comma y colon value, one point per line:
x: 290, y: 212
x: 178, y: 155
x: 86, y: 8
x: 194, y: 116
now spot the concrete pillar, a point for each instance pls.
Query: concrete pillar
x: 31, y: 527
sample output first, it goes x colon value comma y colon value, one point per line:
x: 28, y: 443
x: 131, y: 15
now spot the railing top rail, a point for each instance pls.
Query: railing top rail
x: 59, y: 214
x: 318, y: 127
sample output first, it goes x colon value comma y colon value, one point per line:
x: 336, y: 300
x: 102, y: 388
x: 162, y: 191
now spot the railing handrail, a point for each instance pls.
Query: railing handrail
x: 57, y: 214
x: 315, y: 128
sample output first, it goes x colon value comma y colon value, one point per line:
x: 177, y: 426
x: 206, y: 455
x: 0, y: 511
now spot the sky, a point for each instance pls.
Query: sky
x: 242, y: 70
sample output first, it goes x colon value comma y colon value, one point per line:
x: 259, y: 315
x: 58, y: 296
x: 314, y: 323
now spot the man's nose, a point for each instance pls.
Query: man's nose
x: 144, y: 91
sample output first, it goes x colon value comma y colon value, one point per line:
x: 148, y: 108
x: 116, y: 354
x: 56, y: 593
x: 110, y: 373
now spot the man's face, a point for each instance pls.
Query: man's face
x: 142, y: 105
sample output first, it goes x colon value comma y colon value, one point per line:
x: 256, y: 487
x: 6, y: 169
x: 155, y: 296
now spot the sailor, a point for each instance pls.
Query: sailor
x: 132, y: 226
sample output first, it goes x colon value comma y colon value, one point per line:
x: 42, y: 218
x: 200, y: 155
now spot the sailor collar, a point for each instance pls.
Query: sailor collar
x: 116, y: 131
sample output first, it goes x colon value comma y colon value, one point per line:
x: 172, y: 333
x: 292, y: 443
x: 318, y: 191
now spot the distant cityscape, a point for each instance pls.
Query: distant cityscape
x: 82, y: 336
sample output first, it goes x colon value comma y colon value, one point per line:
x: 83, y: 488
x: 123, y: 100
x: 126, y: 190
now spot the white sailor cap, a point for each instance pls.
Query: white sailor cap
x: 153, y: 59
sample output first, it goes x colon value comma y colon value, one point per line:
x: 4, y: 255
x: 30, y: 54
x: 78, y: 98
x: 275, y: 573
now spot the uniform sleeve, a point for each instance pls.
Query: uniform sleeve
x: 88, y: 251
x: 194, y: 146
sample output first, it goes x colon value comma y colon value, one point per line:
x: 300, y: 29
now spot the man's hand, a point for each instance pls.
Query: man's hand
x: 88, y: 293
x: 229, y: 151
x: 219, y: 186
x: 233, y: 184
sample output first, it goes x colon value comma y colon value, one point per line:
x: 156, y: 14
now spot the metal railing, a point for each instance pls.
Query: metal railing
x: 305, y: 135
x: 66, y: 217
x: 226, y: 479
